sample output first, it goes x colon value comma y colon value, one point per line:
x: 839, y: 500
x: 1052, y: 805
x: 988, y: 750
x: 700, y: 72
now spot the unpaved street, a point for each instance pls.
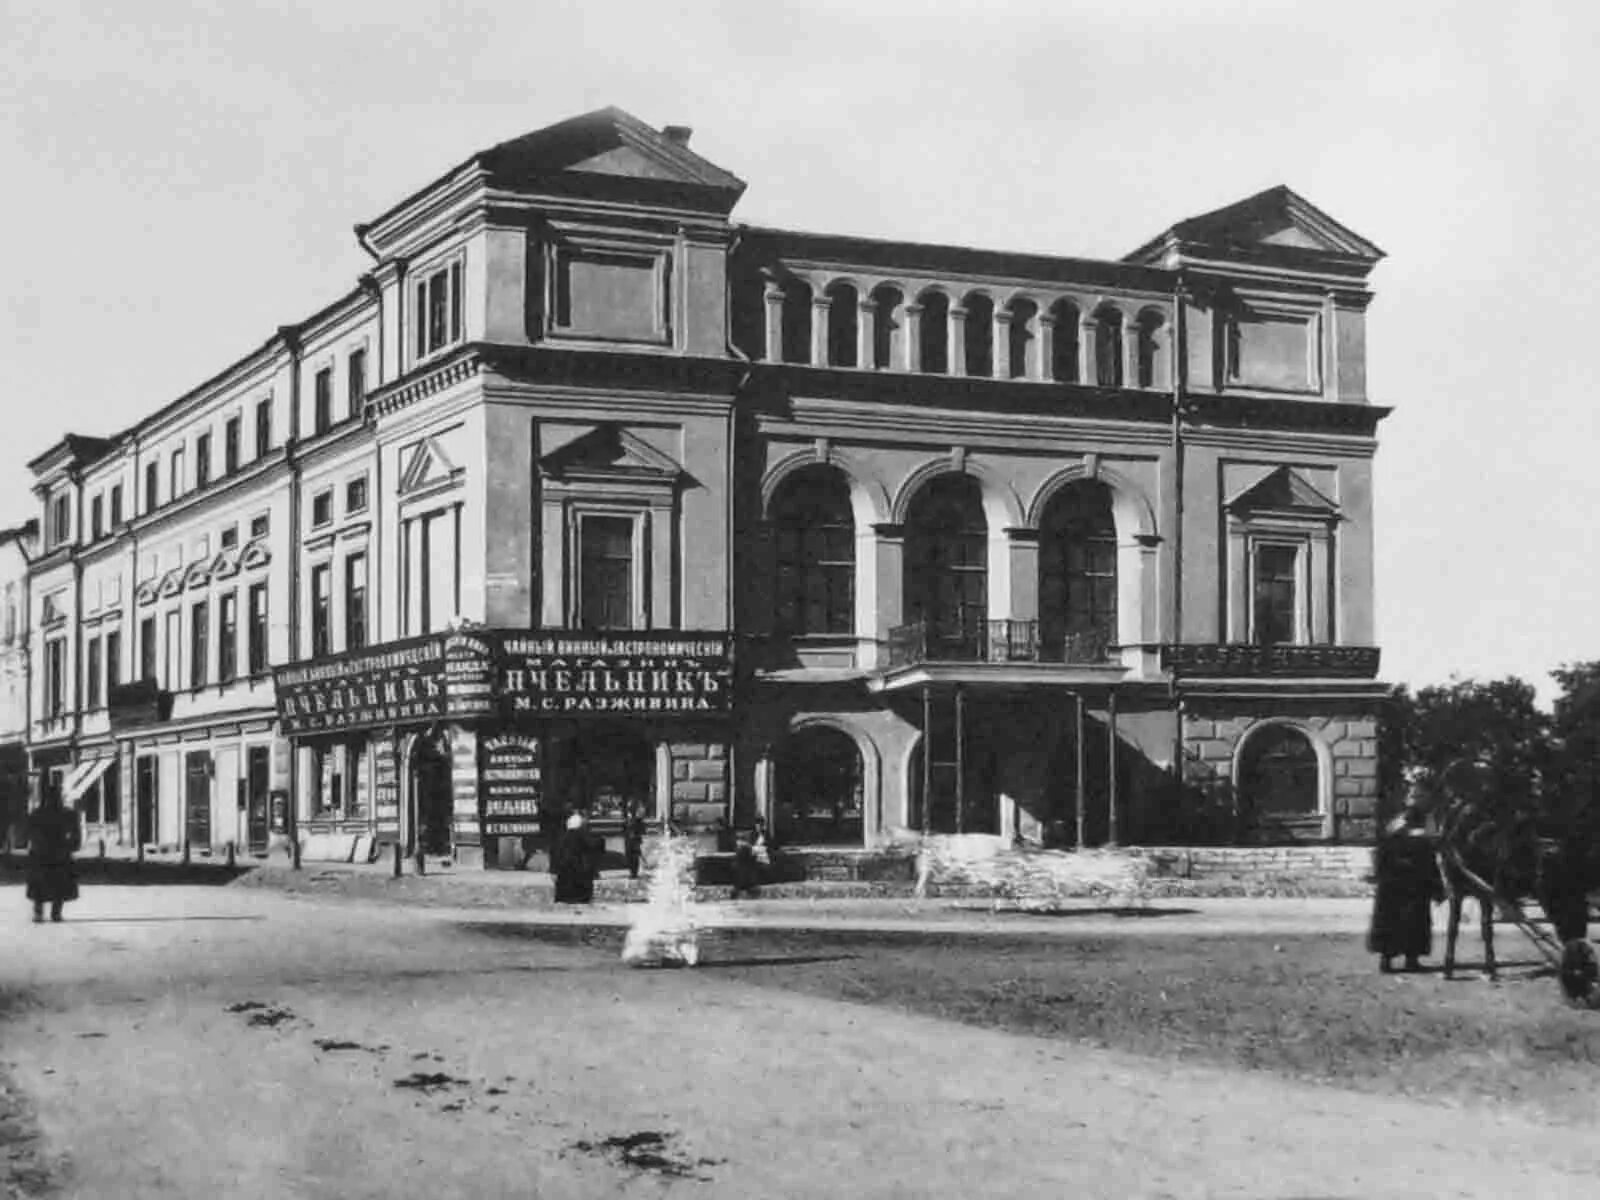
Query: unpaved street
x: 205, y: 1042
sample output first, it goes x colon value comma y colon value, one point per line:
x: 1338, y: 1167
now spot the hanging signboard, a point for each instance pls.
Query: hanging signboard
x: 646, y: 674
x: 399, y: 682
x: 512, y: 778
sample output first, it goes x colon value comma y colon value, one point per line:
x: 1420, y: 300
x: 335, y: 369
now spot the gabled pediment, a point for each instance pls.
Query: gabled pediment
x: 1283, y: 490
x: 428, y: 466
x: 610, y: 450
x: 1276, y: 218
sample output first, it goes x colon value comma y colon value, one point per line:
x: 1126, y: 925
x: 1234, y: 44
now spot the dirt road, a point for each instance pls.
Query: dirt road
x: 195, y: 1042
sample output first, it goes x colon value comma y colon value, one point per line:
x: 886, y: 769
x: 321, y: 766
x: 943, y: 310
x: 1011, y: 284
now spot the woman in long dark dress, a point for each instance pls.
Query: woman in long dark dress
x: 574, y: 863
x: 1408, y: 886
x: 53, y: 838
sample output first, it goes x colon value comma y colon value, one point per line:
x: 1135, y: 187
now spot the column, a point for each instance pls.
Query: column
x: 1022, y: 560
x: 1087, y: 372
x: 866, y: 333
x: 911, y: 350
x: 1001, y: 340
x: 887, y: 564
x: 1319, y: 601
x: 1042, y: 349
x: 1239, y: 573
x: 773, y: 295
x: 956, y: 340
x: 821, y: 307
x: 1113, y: 817
x: 1130, y: 354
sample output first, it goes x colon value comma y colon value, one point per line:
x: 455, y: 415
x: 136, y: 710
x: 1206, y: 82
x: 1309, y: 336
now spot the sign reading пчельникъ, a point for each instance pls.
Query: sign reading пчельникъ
x: 483, y: 673
x: 592, y: 674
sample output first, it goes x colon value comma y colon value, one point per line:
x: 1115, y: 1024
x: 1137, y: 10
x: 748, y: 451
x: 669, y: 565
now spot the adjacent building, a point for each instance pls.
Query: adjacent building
x: 588, y: 496
x: 17, y: 548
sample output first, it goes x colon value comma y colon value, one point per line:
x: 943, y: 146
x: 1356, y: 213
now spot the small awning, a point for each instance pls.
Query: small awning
x: 84, y: 776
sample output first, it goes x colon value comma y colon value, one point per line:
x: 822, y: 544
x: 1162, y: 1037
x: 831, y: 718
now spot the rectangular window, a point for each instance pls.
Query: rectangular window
x: 1277, y: 620
x: 259, y: 526
x: 55, y: 677
x: 355, y: 495
x: 175, y: 484
x: 152, y: 486
x: 228, y: 637
x: 116, y: 505
x: 111, y: 795
x: 438, y: 310
x: 97, y: 515
x: 113, y: 661
x: 89, y: 803
x: 429, y: 572
x: 60, y: 520
x: 322, y: 391
x: 321, y: 610
x: 91, y: 674
x: 263, y: 427
x: 228, y: 538
x: 321, y: 509
x: 258, y: 628
x: 202, y: 460
x: 230, y: 445
x: 172, y: 678
x: 605, y: 582
x: 199, y: 644
x: 355, y: 601
x: 356, y: 381
x: 147, y: 648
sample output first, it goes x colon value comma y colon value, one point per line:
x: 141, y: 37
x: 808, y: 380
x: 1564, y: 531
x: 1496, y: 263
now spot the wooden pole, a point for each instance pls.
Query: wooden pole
x: 1082, y: 776
x: 927, y: 761
x: 961, y: 760
x: 1111, y: 768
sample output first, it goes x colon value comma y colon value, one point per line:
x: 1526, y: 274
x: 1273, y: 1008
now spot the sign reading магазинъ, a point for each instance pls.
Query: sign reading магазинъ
x: 400, y: 682
x: 601, y: 674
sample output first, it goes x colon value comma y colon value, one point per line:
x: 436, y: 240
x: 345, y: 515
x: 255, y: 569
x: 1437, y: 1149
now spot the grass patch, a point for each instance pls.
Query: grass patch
x: 1312, y: 1007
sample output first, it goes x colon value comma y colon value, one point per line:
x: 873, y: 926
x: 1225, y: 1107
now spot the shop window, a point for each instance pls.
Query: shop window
x: 814, y: 544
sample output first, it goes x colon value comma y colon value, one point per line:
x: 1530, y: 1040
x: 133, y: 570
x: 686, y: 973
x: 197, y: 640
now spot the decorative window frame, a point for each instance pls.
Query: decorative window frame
x: 453, y: 266
x: 638, y: 516
x: 1310, y: 532
x: 1311, y: 316
x: 568, y: 243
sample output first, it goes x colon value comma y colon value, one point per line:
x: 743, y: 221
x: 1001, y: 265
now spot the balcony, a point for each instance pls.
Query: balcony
x: 1005, y: 641
x: 1233, y: 660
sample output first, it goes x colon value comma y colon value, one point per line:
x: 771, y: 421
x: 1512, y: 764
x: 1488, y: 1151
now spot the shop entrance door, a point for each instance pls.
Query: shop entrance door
x: 256, y: 777
x: 145, y: 793
x: 431, y: 796
x: 197, y: 796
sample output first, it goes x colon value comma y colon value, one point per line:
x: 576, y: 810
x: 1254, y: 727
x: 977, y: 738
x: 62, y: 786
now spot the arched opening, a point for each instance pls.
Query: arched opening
x: 1279, y: 775
x: 933, y: 341
x: 1078, y: 574
x: 796, y: 321
x: 814, y: 553
x: 843, y: 322
x: 886, y: 327
x: 1149, y: 348
x: 820, y: 789
x: 604, y: 769
x: 1063, y: 365
x: 978, y: 335
x: 1108, y: 346
x: 432, y: 796
x: 946, y: 565
x: 1020, y: 336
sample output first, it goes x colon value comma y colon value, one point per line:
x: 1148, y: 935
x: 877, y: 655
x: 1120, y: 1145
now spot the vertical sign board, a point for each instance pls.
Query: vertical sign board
x: 385, y: 781
x: 512, y: 778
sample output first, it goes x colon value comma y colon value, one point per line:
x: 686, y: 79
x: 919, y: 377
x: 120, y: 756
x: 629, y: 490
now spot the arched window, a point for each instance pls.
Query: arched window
x: 814, y: 543
x: 1108, y: 347
x: 1078, y: 574
x: 1278, y: 775
x: 819, y: 792
x: 934, y: 340
x: 796, y: 321
x: 1149, y: 348
x: 1024, y: 314
x: 979, y: 335
x: 886, y: 328
x: 946, y: 565
x: 1063, y: 365
x: 843, y: 321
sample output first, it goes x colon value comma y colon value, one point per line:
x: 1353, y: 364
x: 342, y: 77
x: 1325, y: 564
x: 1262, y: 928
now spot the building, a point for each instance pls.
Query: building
x: 17, y: 547
x: 588, y: 495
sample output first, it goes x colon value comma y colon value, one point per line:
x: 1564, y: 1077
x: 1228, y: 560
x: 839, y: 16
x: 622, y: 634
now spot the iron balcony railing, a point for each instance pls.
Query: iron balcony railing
x: 1004, y: 641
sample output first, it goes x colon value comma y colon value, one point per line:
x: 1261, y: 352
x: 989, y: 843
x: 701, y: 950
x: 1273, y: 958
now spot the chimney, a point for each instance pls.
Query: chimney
x: 678, y: 135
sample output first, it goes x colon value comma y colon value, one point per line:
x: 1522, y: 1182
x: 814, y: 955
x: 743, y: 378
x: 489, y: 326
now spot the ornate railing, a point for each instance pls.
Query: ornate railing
x: 1239, y: 659
x: 1005, y: 641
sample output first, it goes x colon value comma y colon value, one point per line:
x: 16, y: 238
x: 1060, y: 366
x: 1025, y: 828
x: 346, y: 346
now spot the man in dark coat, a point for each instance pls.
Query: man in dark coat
x: 53, y: 838
x: 575, y: 863
x: 1408, y: 885
x: 633, y: 831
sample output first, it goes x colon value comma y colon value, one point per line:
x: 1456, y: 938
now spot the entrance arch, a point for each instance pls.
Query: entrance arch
x: 1279, y: 774
x: 821, y: 789
x: 432, y: 795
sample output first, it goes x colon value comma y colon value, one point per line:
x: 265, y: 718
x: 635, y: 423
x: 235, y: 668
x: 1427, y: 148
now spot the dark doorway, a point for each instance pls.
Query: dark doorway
x: 961, y: 751
x: 1279, y: 775
x: 819, y: 789
x: 605, y: 769
x: 197, y: 796
x: 431, y: 795
x: 256, y: 780
x: 146, y: 796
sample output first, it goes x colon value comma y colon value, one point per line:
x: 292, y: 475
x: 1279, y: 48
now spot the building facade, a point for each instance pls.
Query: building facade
x: 17, y: 548
x: 588, y: 496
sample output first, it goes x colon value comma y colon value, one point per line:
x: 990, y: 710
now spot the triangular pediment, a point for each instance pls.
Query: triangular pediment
x: 1276, y: 218
x: 1283, y: 490
x: 610, y: 450
x: 427, y: 466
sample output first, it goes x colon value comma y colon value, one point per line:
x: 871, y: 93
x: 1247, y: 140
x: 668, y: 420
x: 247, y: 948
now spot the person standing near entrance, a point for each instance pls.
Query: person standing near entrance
x: 53, y: 838
x: 575, y: 863
x: 633, y: 830
x: 1408, y: 885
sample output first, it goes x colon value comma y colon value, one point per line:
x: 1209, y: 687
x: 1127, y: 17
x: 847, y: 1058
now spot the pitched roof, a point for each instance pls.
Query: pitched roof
x: 1281, y: 489
x: 1276, y: 219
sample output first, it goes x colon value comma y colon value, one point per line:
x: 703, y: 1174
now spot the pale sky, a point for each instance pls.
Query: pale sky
x: 182, y: 181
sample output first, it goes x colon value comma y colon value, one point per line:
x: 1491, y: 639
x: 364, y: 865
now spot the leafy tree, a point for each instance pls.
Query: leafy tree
x: 1489, y: 730
x: 1576, y: 730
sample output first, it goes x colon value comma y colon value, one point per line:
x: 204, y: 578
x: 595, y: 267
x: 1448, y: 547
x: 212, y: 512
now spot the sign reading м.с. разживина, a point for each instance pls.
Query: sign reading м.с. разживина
x: 482, y: 673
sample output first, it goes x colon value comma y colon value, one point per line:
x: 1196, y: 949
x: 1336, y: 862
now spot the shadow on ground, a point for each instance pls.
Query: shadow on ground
x: 129, y: 873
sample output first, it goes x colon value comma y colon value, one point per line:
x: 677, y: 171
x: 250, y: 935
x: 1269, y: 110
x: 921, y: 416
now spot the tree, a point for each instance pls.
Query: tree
x: 1494, y: 730
x: 1576, y: 751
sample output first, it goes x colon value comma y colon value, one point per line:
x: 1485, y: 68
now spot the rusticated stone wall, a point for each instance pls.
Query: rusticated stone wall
x: 699, y: 783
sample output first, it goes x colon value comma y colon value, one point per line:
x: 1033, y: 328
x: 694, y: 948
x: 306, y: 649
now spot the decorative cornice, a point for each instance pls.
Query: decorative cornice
x: 428, y: 380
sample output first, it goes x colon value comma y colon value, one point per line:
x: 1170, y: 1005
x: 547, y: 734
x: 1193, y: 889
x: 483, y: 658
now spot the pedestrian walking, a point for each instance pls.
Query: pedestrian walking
x: 633, y: 831
x: 53, y: 838
x: 1408, y: 886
